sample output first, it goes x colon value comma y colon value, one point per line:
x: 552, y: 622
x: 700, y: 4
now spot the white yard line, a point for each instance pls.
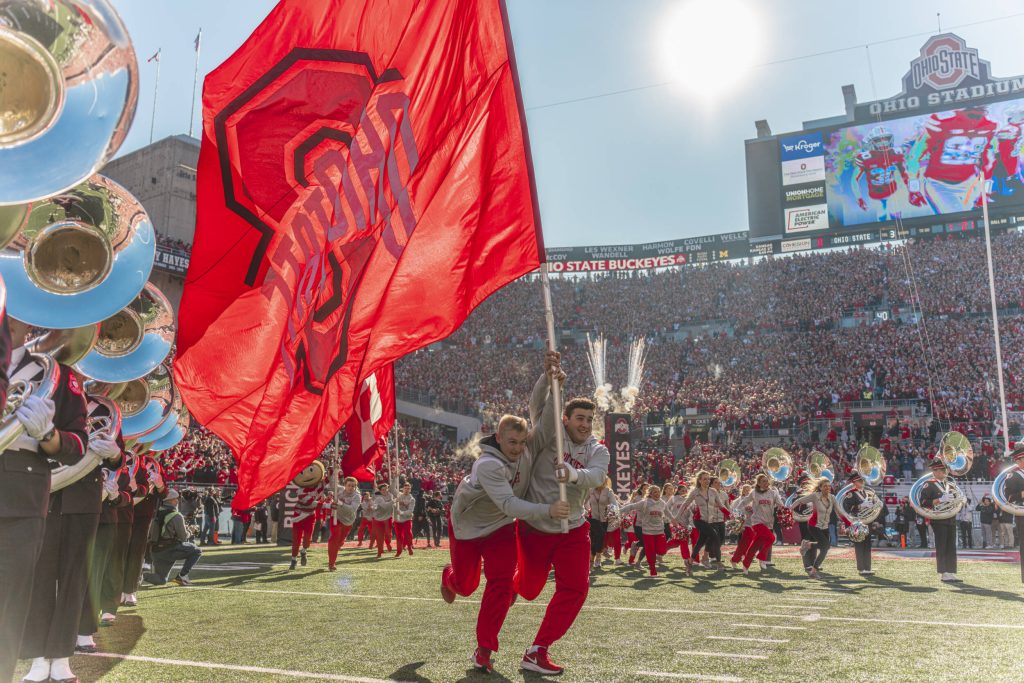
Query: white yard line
x: 787, y: 628
x: 749, y: 640
x: 809, y: 598
x: 691, y: 677
x: 721, y: 655
x: 652, y: 610
x: 238, y: 667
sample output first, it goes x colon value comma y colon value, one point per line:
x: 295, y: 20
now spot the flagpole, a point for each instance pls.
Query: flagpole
x: 398, y: 457
x: 556, y: 389
x: 995, y: 312
x: 156, y: 87
x: 195, y: 83
x: 337, y: 475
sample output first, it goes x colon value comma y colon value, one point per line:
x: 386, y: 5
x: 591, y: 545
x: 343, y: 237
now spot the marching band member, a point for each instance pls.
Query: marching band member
x: 117, y: 494
x: 598, y: 501
x: 145, y: 511
x: 405, y: 505
x: 542, y: 545
x: 944, y: 530
x: 60, y: 578
x: 702, y: 499
x: 303, y: 521
x: 133, y: 477
x: 481, y: 526
x: 862, y: 549
x: 1014, y: 489
x: 806, y: 539
x: 758, y: 536
x: 343, y: 516
x: 650, y: 515
x: 818, y: 492
x: 382, y: 507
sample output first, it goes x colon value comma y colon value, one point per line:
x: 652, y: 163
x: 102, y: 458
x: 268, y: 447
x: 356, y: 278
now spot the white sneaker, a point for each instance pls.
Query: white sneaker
x: 735, y: 565
x: 40, y: 671
x: 106, y: 619
x: 619, y: 562
x: 946, y: 576
x: 746, y: 571
x: 762, y: 564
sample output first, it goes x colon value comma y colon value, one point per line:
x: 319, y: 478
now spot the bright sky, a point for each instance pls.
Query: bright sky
x: 652, y: 164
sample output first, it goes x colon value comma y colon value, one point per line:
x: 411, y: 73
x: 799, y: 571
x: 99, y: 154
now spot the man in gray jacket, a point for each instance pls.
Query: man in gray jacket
x: 542, y: 543
x: 481, y: 528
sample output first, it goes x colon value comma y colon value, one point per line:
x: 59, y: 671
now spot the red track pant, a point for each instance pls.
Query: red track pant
x: 339, y: 532
x: 364, y: 528
x: 570, y: 556
x: 380, y: 535
x: 654, y: 545
x: 497, y: 552
x: 630, y: 539
x: 757, y: 539
x: 302, y: 532
x: 613, y: 540
x: 684, y: 547
x: 403, y: 535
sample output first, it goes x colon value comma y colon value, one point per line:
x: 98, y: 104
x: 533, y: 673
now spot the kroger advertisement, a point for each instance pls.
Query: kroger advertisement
x: 917, y: 167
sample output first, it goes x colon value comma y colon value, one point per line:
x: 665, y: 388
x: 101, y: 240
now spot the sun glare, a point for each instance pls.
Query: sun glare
x: 708, y: 47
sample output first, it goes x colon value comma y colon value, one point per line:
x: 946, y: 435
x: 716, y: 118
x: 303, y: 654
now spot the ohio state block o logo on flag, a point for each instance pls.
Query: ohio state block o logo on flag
x: 355, y: 152
x: 621, y: 426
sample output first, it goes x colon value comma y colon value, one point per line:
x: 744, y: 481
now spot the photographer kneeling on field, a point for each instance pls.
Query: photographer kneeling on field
x: 168, y: 538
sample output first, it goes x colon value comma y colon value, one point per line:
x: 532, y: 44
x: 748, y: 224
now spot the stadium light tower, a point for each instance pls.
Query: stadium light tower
x: 709, y: 46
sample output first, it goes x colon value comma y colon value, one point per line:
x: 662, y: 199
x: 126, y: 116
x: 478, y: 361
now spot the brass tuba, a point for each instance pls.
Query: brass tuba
x: 79, y: 257
x: 819, y: 465
x: 999, y: 491
x: 729, y: 473
x: 68, y: 94
x: 958, y: 455
x: 871, y: 466
x: 104, y: 423
x: 30, y: 381
x: 777, y: 464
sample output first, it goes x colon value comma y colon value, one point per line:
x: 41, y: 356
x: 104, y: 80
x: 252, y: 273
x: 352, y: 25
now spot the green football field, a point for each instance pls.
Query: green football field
x: 250, y: 619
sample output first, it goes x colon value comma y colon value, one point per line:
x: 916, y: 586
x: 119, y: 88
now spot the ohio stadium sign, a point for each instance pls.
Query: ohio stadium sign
x: 947, y: 72
x: 690, y: 250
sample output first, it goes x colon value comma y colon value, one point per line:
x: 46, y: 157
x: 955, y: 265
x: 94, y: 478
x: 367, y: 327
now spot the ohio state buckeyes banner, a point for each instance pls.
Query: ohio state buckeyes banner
x: 363, y: 184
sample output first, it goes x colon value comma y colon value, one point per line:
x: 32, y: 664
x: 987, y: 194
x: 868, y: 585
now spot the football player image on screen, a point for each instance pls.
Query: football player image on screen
x: 879, y: 164
x: 948, y: 159
x: 1009, y: 141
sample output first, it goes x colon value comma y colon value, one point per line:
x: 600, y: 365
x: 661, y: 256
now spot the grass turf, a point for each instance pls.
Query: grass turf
x: 354, y: 622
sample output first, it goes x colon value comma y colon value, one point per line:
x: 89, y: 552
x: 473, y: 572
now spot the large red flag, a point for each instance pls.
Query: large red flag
x: 371, y: 420
x: 364, y: 183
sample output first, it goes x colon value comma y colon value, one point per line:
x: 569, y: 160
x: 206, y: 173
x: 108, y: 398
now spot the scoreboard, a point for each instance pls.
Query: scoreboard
x: 912, y: 166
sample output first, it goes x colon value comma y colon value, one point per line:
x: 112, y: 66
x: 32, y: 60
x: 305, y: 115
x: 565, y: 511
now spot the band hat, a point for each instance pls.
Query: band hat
x: 855, y: 477
x: 937, y: 464
x: 1018, y: 451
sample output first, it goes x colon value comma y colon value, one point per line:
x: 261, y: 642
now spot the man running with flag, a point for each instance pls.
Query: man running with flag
x: 543, y: 545
x: 486, y: 504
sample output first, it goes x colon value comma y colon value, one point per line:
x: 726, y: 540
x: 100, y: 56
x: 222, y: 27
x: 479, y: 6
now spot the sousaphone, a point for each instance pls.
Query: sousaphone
x: 68, y: 91
x: 104, y: 423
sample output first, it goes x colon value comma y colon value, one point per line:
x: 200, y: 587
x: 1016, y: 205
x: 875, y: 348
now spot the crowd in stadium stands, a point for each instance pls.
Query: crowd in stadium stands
x: 778, y: 355
x: 173, y: 244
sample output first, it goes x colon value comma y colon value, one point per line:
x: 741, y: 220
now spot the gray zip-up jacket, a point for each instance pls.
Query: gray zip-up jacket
x: 346, y: 505
x: 650, y: 515
x: 404, y: 506
x: 599, y: 504
x: 493, y: 494
x: 822, y: 505
x: 590, y: 459
x: 763, y: 504
x: 383, y: 507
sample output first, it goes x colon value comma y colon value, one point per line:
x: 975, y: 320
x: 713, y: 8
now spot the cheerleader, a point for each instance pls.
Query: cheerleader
x: 650, y: 515
x: 632, y: 537
x: 862, y: 549
x: 702, y: 499
x: 757, y: 532
x: 598, y: 501
x: 613, y: 537
x: 805, y: 535
x: 718, y: 512
x: 741, y: 512
x: 678, y: 521
x: 818, y: 492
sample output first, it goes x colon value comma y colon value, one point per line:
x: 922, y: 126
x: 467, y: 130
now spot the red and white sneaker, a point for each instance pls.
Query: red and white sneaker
x: 539, y: 662
x: 481, y: 660
x: 447, y: 593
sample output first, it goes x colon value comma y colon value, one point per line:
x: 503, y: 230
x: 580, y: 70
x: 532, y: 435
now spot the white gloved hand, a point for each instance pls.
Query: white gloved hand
x: 566, y: 473
x: 945, y: 498
x: 110, y: 491
x: 158, y: 482
x: 105, y: 448
x: 36, y: 416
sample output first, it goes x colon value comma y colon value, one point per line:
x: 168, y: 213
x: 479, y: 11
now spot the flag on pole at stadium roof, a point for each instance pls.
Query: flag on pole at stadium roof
x: 364, y: 183
x: 155, y: 57
x: 372, y: 418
